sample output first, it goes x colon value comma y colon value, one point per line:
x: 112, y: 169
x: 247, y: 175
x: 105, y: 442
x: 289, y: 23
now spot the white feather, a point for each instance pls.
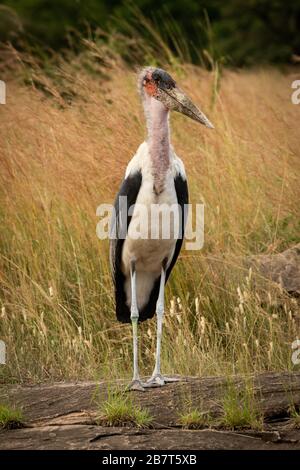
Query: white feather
x: 149, y: 253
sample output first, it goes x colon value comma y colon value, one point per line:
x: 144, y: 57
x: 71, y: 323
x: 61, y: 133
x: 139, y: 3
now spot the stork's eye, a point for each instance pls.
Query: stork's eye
x: 156, y: 77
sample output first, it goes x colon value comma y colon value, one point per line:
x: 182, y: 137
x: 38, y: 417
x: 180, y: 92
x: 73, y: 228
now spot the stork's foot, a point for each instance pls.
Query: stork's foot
x: 136, y: 385
x: 158, y: 380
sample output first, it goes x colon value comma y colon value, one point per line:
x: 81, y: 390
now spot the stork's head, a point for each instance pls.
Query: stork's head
x: 158, y: 84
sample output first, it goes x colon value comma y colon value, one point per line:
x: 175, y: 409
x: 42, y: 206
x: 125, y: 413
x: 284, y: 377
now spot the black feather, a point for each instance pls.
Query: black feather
x: 182, y: 193
x: 119, y: 225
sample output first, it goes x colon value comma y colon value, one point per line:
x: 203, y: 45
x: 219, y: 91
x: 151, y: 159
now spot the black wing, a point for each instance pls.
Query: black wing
x: 182, y: 193
x: 119, y: 226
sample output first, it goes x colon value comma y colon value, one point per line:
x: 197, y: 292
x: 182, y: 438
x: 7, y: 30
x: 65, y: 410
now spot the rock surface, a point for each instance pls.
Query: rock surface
x: 282, y: 268
x: 64, y: 416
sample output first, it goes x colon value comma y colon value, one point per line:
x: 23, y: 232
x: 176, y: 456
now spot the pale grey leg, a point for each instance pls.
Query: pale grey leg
x: 160, y: 308
x: 136, y: 383
x: 157, y: 378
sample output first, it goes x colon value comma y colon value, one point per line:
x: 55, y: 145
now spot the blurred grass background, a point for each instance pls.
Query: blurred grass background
x: 242, y: 32
x: 72, y: 121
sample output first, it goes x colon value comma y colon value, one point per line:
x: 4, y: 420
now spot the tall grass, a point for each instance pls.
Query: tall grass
x: 59, y: 161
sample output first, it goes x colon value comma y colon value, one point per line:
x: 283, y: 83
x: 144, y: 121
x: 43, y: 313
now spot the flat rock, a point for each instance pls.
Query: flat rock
x: 282, y: 268
x: 64, y: 416
x: 86, y: 437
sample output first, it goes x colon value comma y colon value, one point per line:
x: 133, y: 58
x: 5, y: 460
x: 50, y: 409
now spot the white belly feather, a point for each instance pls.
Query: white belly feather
x: 148, y: 252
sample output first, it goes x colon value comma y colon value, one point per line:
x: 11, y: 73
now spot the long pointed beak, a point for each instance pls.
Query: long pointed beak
x: 176, y: 100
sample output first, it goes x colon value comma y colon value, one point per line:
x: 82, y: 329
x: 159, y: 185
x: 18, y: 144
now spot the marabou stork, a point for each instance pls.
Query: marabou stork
x: 142, y: 264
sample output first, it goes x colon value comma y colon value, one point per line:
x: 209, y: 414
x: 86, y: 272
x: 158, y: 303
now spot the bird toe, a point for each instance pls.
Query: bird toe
x: 156, y: 380
x: 136, y: 385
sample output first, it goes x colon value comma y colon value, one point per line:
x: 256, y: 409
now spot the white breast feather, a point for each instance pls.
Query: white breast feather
x: 148, y: 253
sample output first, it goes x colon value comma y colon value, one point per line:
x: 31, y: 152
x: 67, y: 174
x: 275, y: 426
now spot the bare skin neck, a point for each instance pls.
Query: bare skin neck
x: 157, y: 116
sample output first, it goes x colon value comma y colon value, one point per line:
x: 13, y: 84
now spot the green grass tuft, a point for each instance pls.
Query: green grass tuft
x: 194, y: 419
x: 295, y: 416
x: 120, y: 410
x: 240, y: 409
x: 10, y: 418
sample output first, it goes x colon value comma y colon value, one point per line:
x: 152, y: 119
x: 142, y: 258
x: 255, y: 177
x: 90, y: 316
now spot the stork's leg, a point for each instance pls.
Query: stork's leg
x: 136, y: 383
x: 157, y: 378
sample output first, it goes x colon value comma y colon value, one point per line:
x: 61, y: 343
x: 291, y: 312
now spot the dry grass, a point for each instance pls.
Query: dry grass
x: 59, y: 162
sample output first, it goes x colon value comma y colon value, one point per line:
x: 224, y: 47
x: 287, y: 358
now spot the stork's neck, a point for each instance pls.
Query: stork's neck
x: 159, y: 141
